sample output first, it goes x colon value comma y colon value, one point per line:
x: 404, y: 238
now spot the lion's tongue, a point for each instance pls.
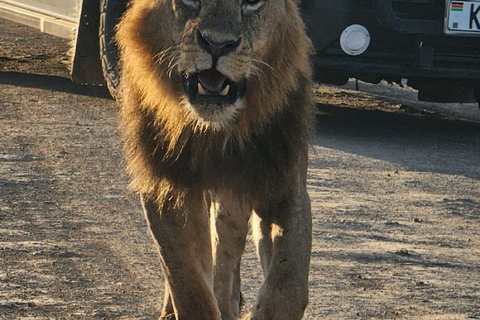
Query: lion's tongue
x: 212, y: 80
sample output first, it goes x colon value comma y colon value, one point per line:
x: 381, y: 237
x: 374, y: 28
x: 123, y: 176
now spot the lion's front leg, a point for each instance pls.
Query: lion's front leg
x: 229, y: 227
x: 283, y: 237
x: 167, y: 310
x: 183, y: 238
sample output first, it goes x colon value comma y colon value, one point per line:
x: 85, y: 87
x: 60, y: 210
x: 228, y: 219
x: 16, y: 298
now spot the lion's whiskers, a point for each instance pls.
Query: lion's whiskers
x: 161, y: 56
x: 275, y: 72
x: 170, y: 57
x: 256, y: 71
x: 172, y: 64
x: 166, y: 55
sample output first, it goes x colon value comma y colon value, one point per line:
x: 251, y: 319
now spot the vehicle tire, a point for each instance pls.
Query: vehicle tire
x: 110, y: 13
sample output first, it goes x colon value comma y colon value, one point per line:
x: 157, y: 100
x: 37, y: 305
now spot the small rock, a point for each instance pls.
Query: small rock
x: 99, y: 314
x: 403, y: 253
x: 12, y: 157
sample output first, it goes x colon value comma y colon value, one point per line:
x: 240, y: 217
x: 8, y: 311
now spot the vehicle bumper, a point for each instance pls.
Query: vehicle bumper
x: 407, y: 47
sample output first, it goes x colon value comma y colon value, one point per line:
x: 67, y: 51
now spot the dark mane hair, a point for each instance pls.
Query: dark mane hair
x: 168, y: 155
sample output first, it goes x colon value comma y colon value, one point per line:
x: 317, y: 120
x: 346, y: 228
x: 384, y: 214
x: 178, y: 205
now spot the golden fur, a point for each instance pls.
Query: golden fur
x: 246, y: 158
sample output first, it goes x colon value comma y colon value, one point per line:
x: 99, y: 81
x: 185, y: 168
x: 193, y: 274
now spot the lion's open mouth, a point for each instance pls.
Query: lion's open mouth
x: 212, y: 86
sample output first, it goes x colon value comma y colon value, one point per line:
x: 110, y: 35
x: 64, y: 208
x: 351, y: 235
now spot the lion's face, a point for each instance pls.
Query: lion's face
x: 216, y: 46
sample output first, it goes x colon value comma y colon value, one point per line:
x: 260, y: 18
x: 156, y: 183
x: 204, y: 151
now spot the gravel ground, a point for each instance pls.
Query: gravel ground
x: 395, y: 190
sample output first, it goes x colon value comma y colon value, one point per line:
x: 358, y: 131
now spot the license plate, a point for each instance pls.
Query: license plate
x: 418, y: 1
x: 462, y: 17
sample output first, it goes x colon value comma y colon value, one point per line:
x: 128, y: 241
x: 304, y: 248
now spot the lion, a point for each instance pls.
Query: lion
x: 216, y: 113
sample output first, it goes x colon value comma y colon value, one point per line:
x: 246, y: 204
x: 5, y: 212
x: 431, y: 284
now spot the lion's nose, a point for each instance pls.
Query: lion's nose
x: 217, y: 48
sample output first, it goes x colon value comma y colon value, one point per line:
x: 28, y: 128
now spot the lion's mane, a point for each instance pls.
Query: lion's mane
x: 168, y: 154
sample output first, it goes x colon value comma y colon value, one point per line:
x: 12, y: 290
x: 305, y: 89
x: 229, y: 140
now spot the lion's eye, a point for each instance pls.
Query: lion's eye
x: 192, y: 3
x: 252, y: 5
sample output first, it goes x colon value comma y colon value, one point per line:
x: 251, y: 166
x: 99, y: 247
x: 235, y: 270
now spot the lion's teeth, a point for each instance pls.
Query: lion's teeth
x: 225, y: 91
x: 201, y: 90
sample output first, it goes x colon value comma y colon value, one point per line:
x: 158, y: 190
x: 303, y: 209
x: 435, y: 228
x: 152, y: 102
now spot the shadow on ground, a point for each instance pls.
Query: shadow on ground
x: 55, y: 83
x: 417, y: 141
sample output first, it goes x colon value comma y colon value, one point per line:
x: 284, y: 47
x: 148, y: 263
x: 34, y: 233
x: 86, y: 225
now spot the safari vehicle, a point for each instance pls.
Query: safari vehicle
x: 434, y: 44
x: 88, y: 23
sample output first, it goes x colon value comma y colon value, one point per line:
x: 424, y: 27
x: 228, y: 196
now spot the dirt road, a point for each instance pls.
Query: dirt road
x: 395, y: 194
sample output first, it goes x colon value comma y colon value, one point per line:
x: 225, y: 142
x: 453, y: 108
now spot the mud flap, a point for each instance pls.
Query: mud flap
x: 86, y: 64
x: 476, y: 93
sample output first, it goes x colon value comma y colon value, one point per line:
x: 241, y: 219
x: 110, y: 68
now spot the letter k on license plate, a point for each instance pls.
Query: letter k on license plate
x: 462, y: 18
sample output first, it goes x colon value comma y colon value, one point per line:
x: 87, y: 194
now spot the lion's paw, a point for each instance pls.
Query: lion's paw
x: 247, y: 317
x: 170, y: 316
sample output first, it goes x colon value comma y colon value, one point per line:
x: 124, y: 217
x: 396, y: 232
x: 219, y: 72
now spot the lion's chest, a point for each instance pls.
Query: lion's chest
x: 208, y: 165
